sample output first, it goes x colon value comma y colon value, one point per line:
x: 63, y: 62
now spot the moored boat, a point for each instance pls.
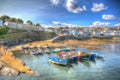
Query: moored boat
x: 47, y: 51
x: 58, y: 50
x: 92, y: 55
x: 39, y: 52
x: 55, y: 50
x: 57, y: 60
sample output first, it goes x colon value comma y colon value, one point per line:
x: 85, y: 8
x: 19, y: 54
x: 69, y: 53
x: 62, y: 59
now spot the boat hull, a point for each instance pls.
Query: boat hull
x: 59, y: 61
x: 56, y: 51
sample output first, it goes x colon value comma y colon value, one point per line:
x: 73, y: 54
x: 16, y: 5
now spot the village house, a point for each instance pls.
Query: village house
x: 65, y: 30
x: 41, y: 28
x: 50, y: 29
x: 21, y: 26
x: 75, y: 32
x: 106, y: 34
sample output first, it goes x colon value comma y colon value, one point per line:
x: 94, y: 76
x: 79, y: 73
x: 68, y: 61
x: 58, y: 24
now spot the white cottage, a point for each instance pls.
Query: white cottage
x: 21, y: 26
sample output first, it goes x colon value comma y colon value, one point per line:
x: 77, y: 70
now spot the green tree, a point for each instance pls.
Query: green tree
x: 13, y: 20
x: 5, y: 18
x: 20, y: 21
x: 37, y: 25
x: 3, y: 30
x: 29, y: 22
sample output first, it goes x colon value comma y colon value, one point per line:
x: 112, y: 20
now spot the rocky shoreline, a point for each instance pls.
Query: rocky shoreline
x: 10, y: 65
x: 7, y: 70
x: 18, y: 37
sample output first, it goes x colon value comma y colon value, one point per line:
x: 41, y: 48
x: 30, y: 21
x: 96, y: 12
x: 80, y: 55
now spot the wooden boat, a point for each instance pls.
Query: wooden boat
x: 75, y: 58
x: 85, y: 57
x: 71, y: 48
x: 92, y: 55
x: 57, y: 60
x: 47, y: 51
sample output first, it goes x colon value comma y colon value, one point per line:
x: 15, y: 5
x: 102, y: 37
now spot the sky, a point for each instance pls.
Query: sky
x: 64, y: 12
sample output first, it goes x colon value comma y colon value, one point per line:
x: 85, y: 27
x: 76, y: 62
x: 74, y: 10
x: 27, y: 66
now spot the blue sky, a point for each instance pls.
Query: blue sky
x: 64, y: 12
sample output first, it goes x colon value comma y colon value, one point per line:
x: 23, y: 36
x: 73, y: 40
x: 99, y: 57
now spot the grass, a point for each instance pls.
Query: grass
x: 3, y: 36
x: 9, y: 35
x: 4, y: 30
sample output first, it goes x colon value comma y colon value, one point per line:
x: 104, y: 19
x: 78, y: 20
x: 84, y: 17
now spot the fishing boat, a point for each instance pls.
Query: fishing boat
x: 83, y: 56
x: 71, y: 48
x: 92, y: 55
x: 55, y: 50
x: 57, y: 60
x: 87, y: 56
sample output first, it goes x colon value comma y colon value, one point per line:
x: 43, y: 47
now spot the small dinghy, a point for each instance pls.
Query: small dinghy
x: 47, y: 51
x: 25, y: 47
x: 39, y: 52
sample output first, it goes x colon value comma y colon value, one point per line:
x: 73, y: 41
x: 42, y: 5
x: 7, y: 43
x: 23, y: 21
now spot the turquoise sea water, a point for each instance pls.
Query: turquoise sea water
x: 107, y: 69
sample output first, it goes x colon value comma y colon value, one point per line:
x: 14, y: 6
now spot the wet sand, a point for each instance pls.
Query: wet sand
x: 94, y: 44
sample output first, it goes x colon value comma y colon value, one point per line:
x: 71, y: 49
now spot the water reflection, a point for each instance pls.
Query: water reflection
x: 107, y: 68
x: 84, y: 63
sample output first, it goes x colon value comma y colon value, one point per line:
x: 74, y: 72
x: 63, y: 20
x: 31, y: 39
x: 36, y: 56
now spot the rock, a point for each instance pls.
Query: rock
x: 9, y: 71
x: 5, y: 71
x: 1, y: 64
x: 1, y: 54
x: 13, y: 72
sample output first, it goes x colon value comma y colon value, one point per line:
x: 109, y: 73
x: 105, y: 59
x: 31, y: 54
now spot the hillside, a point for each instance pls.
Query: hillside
x: 18, y: 36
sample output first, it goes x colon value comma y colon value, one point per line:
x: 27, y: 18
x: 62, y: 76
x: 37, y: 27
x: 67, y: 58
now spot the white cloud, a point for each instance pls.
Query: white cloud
x: 67, y: 25
x: 100, y: 24
x: 98, y: 7
x: 47, y: 25
x: 108, y: 17
x: 56, y: 23
x: 72, y: 6
x: 55, y: 2
x: 117, y: 25
x: 63, y: 24
x: 84, y: 8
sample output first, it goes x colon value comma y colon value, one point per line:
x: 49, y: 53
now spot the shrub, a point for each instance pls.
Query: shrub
x: 4, y: 30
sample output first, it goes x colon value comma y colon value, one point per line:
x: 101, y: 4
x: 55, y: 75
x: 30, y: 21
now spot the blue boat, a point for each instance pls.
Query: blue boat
x: 57, y: 60
x: 92, y: 56
x: 75, y: 58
